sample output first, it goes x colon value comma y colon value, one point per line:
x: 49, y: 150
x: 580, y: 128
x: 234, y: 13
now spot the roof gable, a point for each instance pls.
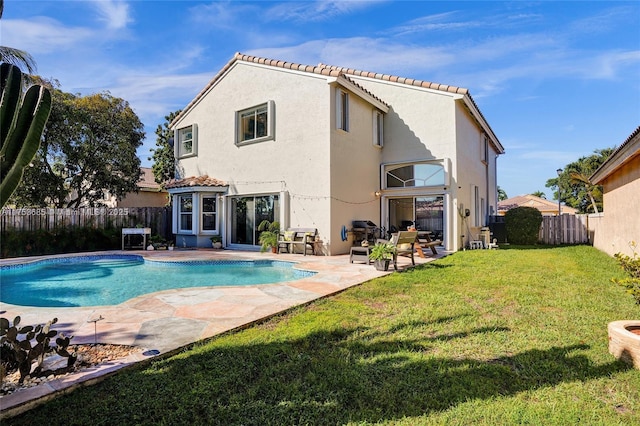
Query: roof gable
x: 343, y: 73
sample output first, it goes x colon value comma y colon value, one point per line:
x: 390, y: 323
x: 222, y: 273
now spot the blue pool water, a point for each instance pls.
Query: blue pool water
x: 110, y: 280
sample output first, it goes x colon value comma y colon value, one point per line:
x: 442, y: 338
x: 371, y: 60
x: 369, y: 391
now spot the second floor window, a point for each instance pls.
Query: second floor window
x: 342, y: 110
x: 186, y: 138
x: 378, y: 128
x: 255, y: 124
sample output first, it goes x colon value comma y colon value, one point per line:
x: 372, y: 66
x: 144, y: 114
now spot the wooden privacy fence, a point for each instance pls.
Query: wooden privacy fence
x: 565, y: 229
x: 50, y: 219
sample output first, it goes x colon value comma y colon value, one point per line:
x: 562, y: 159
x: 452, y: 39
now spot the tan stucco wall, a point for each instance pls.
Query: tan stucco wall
x: 144, y: 199
x: 621, y: 222
x: 355, y: 169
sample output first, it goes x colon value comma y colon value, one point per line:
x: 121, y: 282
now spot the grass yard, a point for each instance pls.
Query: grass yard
x: 509, y: 336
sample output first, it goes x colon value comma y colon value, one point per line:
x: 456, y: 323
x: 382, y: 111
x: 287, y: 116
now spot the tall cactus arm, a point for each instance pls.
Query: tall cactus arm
x: 11, y: 82
x: 23, y: 139
x: 24, y: 124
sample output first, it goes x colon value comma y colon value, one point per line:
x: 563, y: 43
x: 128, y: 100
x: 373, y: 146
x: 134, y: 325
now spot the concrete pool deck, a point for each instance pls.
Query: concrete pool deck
x: 166, y: 321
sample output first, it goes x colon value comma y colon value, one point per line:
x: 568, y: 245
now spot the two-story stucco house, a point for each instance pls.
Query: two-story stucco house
x: 321, y: 146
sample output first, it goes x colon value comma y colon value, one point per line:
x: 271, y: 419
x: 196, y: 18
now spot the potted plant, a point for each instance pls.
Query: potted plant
x: 269, y: 233
x: 624, y: 335
x: 158, y: 242
x: 381, y: 254
x: 216, y: 241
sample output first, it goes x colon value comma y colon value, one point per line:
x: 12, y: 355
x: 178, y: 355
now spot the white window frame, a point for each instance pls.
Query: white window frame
x: 181, y: 141
x: 270, y: 125
x: 181, y: 213
x: 203, y: 214
x: 484, y: 150
x: 342, y: 110
x: 378, y: 129
x: 476, y: 206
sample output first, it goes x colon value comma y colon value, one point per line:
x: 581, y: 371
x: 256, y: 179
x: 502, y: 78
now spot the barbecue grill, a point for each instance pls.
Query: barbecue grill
x: 364, y: 230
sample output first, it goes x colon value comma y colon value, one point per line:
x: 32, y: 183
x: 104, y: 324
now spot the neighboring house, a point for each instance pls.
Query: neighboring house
x: 321, y: 146
x: 150, y: 193
x: 620, y: 180
x: 546, y: 207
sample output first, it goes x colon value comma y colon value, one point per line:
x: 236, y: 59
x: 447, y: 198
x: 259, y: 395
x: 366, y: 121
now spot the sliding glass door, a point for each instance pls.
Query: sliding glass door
x: 426, y: 213
x: 246, y: 215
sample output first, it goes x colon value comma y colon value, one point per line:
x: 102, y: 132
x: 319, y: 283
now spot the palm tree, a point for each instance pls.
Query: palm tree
x: 17, y: 57
x: 580, y: 178
x: 502, y: 195
x: 540, y: 194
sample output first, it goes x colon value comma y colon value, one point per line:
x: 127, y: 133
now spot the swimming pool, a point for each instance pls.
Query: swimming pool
x: 113, y: 279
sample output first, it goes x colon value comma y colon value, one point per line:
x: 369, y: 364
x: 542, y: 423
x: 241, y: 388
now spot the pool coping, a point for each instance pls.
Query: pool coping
x: 201, y: 313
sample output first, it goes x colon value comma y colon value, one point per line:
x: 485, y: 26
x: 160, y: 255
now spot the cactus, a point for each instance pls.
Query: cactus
x: 21, y: 126
x: 25, y: 351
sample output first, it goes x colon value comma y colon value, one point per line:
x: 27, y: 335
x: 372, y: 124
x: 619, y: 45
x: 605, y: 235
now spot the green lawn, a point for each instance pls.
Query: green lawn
x: 509, y: 336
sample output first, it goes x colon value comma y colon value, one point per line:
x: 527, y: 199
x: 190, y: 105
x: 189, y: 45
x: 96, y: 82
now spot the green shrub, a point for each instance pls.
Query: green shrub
x: 631, y: 265
x: 523, y: 225
x: 62, y: 240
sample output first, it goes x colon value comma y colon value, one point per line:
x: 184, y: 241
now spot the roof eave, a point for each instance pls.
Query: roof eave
x: 353, y: 87
x: 621, y: 155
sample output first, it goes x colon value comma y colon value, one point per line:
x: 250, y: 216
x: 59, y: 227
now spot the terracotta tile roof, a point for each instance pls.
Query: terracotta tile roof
x: 147, y: 180
x: 544, y: 205
x: 194, y: 181
x: 397, y: 79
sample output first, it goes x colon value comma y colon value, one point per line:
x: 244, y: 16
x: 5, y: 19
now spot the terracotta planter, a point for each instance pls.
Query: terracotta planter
x: 624, y: 341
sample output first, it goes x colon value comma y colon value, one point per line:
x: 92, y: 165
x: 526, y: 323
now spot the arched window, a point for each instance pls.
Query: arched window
x: 421, y: 174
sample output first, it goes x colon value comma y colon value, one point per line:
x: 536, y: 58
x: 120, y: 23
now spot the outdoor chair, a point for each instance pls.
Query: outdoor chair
x: 293, y: 239
x: 404, y: 243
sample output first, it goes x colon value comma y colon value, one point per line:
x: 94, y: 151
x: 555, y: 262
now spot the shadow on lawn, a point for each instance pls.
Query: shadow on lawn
x: 327, y: 377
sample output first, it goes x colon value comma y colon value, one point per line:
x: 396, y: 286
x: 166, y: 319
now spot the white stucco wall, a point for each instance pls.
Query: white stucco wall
x: 355, y: 164
x: 330, y: 176
x: 425, y: 124
x: 420, y: 123
x: 296, y: 161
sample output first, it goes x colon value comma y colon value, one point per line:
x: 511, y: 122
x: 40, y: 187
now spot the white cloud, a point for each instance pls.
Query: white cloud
x: 362, y: 53
x: 319, y: 10
x: 114, y: 13
x: 437, y: 22
x: 42, y: 35
x: 225, y: 15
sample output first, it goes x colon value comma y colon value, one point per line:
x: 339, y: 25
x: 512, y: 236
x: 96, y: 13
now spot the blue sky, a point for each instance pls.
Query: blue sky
x: 555, y: 80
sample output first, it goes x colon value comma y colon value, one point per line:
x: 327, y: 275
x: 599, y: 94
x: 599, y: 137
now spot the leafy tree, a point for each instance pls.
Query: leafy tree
x: 164, y: 162
x: 502, y: 195
x: 539, y: 194
x: 88, y: 151
x: 575, y: 188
